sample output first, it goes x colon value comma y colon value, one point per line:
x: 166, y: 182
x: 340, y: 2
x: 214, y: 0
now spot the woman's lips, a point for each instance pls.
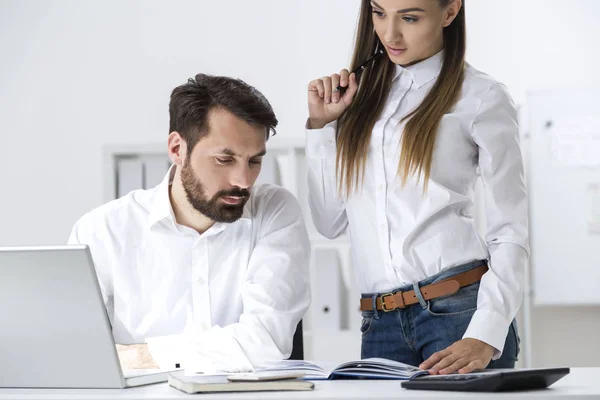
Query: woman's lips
x: 395, y: 51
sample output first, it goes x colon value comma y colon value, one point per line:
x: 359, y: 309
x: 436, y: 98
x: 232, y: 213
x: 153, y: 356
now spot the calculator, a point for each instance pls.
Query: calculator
x: 498, y: 380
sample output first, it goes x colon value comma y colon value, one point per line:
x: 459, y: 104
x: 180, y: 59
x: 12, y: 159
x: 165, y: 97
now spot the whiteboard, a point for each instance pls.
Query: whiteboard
x: 564, y: 195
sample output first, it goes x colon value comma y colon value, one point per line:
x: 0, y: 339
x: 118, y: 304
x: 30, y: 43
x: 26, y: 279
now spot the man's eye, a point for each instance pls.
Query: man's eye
x: 223, y: 160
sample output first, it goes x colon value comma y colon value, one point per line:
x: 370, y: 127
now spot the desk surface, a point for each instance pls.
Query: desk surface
x: 581, y: 382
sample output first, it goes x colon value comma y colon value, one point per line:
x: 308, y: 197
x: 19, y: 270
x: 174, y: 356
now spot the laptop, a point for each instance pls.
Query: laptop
x: 493, y: 380
x: 54, y: 329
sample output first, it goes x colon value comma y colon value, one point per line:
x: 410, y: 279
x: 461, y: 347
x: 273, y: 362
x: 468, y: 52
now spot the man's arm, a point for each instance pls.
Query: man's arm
x: 85, y: 232
x: 134, y: 356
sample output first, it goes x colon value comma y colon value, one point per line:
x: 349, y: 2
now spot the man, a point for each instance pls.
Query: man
x: 205, y: 271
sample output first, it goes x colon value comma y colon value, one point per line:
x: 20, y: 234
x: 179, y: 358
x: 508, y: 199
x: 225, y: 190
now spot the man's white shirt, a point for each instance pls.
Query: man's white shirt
x: 227, y: 299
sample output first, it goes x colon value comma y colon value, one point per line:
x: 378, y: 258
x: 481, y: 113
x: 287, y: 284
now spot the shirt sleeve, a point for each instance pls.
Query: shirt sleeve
x: 83, y: 232
x: 495, y: 131
x: 328, y: 210
x: 275, y: 296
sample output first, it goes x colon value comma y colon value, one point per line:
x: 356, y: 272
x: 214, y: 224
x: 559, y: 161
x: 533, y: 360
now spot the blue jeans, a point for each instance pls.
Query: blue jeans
x: 412, y: 334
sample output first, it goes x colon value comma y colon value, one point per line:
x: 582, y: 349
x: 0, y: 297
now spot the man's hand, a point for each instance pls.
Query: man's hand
x: 463, y: 356
x: 135, y: 356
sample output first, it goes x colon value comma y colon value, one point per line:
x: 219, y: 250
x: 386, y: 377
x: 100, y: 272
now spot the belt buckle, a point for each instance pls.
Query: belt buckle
x: 383, y: 307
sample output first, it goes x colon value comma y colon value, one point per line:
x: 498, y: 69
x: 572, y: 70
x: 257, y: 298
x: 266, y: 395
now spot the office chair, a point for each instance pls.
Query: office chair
x: 298, y: 344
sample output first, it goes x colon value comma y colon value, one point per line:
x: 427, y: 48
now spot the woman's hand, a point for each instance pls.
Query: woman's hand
x: 463, y: 356
x: 325, y: 102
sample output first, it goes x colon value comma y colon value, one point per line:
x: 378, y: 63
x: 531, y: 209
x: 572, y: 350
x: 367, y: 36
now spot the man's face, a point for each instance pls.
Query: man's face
x: 218, y: 173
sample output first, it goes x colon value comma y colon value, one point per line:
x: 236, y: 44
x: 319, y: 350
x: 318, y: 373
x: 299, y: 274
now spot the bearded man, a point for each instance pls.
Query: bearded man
x: 206, y: 271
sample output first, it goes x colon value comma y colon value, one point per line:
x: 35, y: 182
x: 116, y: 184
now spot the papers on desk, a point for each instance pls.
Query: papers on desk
x: 371, y: 368
x: 375, y: 368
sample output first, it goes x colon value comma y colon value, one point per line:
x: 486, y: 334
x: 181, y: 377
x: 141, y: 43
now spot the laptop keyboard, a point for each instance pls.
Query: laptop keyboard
x: 132, y: 373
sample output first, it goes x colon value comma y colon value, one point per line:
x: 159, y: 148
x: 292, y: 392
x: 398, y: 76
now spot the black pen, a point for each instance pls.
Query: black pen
x: 362, y: 66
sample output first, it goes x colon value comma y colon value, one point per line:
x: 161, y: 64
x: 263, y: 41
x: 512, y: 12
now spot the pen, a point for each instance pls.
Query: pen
x: 362, y: 66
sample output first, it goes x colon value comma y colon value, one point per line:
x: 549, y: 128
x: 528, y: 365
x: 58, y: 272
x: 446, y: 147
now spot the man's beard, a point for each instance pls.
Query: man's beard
x: 213, y: 208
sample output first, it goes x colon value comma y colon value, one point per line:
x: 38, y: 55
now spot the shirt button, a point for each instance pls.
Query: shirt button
x: 382, y: 227
x: 200, y: 281
x: 205, y: 326
x: 380, y: 187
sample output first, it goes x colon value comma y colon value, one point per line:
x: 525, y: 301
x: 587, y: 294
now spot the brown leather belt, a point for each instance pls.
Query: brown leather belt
x: 391, y: 301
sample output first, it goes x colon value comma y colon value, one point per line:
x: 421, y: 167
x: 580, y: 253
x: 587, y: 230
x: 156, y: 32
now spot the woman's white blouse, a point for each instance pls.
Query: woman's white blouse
x: 400, y: 235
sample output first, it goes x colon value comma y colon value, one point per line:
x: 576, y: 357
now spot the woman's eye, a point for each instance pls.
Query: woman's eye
x: 410, y: 19
x: 379, y: 14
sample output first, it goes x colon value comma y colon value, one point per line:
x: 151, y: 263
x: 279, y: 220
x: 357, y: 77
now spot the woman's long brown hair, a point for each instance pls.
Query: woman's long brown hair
x: 356, y: 123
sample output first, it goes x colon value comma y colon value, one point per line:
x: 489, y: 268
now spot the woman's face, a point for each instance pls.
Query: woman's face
x: 412, y: 30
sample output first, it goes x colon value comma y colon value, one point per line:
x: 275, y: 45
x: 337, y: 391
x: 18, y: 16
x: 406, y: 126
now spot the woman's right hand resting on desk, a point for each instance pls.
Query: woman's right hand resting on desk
x: 325, y: 103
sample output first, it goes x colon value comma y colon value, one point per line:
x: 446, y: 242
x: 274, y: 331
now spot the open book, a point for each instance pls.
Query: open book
x: 374, y: 368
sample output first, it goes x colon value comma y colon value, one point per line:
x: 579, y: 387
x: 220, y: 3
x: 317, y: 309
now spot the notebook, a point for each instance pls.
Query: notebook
x: 222, y: 383
x: 371, y: 368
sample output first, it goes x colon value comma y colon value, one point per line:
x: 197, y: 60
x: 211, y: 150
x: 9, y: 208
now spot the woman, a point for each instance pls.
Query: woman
x: 394, y: 156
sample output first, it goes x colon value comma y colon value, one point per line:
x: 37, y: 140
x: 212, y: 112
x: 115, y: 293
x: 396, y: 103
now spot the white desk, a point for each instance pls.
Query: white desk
x: 580, y: 383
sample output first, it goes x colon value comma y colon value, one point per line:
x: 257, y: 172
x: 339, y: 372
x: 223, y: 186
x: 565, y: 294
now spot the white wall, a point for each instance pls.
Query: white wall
x: 78, y: 75
x: 533, y: 44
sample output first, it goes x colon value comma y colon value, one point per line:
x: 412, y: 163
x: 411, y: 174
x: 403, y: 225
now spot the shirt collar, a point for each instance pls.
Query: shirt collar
x: 162, y: 208
x: 423, y: 72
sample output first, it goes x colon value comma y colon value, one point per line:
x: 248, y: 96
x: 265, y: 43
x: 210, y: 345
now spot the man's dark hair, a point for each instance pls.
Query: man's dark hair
x: 191, y: 102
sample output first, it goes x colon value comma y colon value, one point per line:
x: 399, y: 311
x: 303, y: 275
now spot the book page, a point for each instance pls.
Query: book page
x: 312, y: 369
